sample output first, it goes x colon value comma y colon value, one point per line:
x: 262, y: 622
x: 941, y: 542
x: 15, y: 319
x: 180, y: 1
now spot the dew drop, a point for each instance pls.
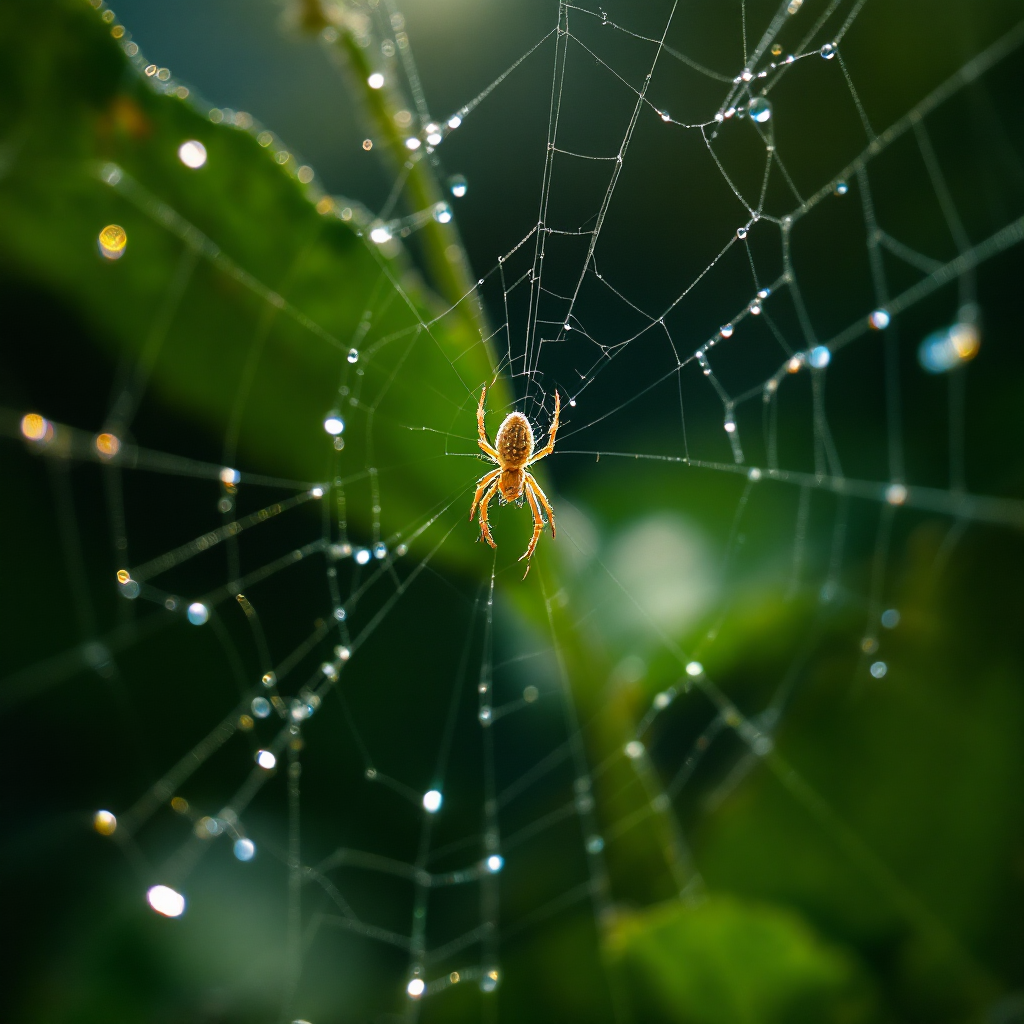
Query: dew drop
x: 260, y: 707
x: 458, y: 186
x: 828, y: 51
x: 726, y: 330
x: 759, y: 109
x: 820, y: 357
x: 841, y: 188
x: 353, y: 355
x: 741, y: 233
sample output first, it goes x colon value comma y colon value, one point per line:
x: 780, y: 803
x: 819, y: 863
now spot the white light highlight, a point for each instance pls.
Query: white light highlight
x: 265, y: 759
x: 454, y: 121
x: 334, y: 424
x: 694, y: 669
x: 879, y: 320
x: 634, y: 749
x: 164, y: 900
x: 245, y: 849
x: 896, y: 494
x: 495, y: 863
x: 362, y: 556
x: 380, y: 235
x: 416, y: 988
x: 878, y: 669
x: 229, y: 477
x: 442, y: 213
x: 434, y: 139
x: 412, y: 143
x: 198, y: 613
x: 376, y: 80
x: 432, y: 801
x: 192, y: 154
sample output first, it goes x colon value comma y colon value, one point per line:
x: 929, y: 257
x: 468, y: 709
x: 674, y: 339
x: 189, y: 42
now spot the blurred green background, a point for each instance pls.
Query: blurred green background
x: 864, y: 862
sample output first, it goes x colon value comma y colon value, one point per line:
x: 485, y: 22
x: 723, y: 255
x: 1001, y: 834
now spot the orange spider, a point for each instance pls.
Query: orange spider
x: 513, y: 452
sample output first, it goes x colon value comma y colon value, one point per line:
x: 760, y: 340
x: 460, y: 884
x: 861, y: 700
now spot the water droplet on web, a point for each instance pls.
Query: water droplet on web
x: 726, y: 330
x: 458, y: 186
x: 361, y: 556
x: 759, y: 109
x: 339, y: 614
x: 164, y: 900
x: 633, y: 749
x: 244, y: 849
x: 879, y: 669
x: 755, y: 308
x: 828, y: 51
x: 260, y: 707
x: 890, y: 618
x: 442, y: 213
x: 266, y: 759
x: 746, y: 75
x: 198, y: 613
x: 380, y: 550
x: 665, y: 116
x: 105, y: 823
x: 820, y: 357
x: 485, y: 715
x: 762, y: 746
x: 353, y: 355
x: 946, y: 349
x: 754, y: 474
x: 896, y: 494
x: 879, y: 320
x: 741, y: 233
x: 841, y: 188
x: 432, y: 801
x: 269, y: 679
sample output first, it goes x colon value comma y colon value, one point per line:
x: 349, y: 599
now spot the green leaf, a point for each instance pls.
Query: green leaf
x: 236, y: 301
x: 728, y: 962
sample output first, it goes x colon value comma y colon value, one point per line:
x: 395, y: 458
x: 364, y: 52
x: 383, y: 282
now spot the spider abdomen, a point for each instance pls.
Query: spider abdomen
x: 514, y: 442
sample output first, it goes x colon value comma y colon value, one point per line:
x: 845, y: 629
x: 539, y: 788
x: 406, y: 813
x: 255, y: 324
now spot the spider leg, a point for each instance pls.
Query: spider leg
x: 481, y: 485
x: 531, y: 483
x: 552, y: 431
x: 483, y: 442
x: 485, y: 528
x: 538, y: 523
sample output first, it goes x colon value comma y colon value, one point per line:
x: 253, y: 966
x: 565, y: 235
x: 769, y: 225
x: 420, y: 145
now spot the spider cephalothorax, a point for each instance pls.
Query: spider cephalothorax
x: 513, y: 452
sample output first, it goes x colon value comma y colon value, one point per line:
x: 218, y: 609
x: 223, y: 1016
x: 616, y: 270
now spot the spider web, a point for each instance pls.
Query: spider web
x: 665, y: 193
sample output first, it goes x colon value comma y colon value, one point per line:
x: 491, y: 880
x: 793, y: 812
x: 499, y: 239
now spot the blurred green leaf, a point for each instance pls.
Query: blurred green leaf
x: 728, y: 962
x: 235, y: 299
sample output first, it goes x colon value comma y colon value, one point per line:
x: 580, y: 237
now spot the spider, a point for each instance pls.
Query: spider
x: 513, y: 452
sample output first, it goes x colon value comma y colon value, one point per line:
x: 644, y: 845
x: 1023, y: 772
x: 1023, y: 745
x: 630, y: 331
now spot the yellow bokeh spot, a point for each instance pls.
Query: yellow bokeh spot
x: 966, y: 340
x: 107, y: 445
x: 123, y: 576
x: 453, y: 977
x: 104, y: 822
x: 326, y: 205
x: 34, y: 427
x: 112, y: 241
x: 179, y: 804
x: 245, y: 723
